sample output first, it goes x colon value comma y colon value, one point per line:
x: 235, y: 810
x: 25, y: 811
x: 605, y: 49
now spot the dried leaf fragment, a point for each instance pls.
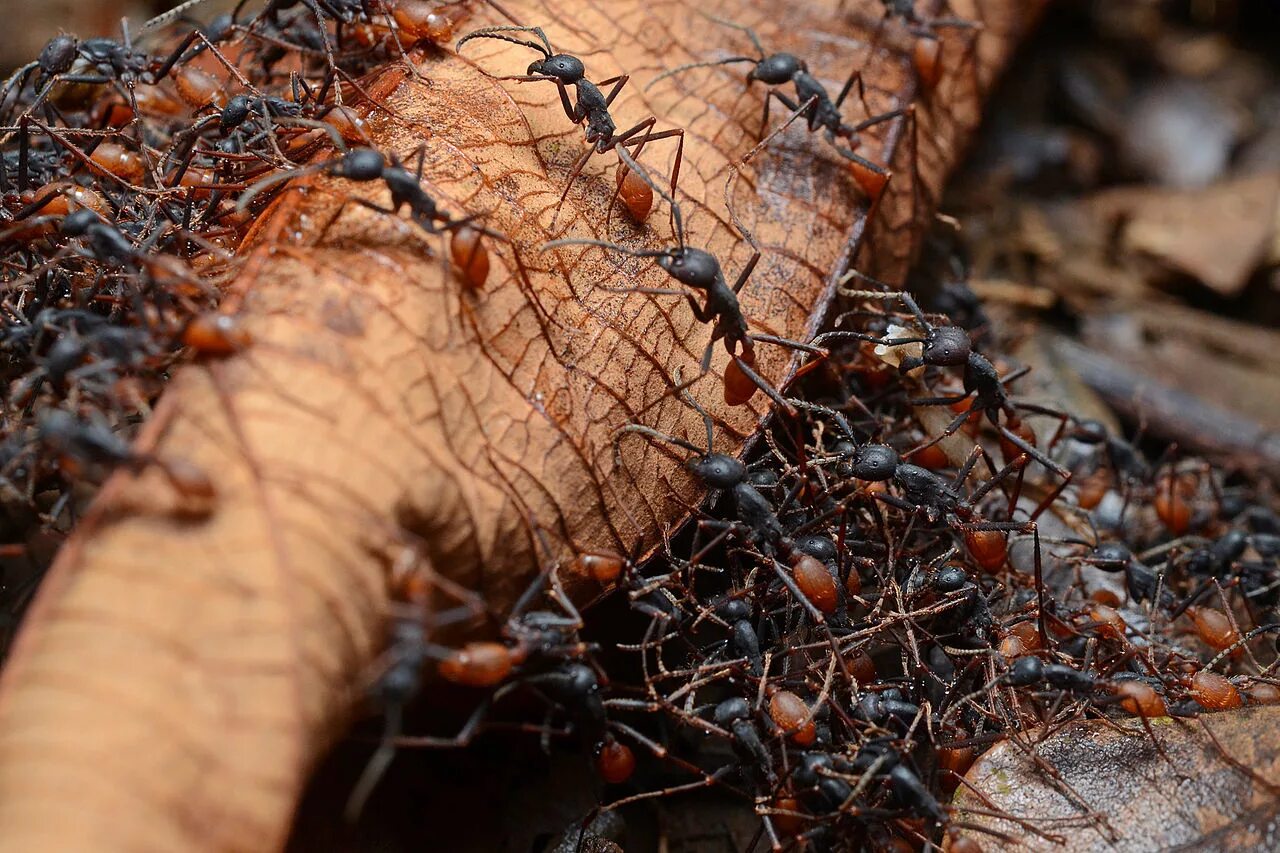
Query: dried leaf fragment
x: 1214, y: 786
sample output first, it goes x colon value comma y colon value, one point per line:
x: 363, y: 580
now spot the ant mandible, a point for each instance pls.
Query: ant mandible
x: 591, y: 108
x: 812, y: 101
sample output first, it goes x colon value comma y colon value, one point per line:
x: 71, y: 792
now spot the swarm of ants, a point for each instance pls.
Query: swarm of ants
x: 862, y: 607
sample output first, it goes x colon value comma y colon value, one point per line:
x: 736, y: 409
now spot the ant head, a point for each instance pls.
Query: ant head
x: 58, y: 54
x: 582, y: 679
x: 1025, y: 671
x: 718, y: 471
x: 776, y: 69
x: 1110, y: 557
x: 950, y: 579
x: 235, y: 112
x: 76, y: 224
x: 1090, y: 432
x: 817, y: 546
x: 808, y: 771
x: 361, y: 164
x: 874, y: 463
x: 565, y: 68
x: 734, y: 610
x: 947, y: 346
x: 693, y: 267
x: 732, y: 710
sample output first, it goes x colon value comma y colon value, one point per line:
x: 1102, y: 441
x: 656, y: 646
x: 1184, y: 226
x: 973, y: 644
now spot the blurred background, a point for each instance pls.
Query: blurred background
x: 30, y: 23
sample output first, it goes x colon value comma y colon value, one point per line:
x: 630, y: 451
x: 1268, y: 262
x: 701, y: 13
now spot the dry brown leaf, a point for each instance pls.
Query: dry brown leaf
x: 1218, y: 235
x: 1215, y: 787
x: 178, y: 679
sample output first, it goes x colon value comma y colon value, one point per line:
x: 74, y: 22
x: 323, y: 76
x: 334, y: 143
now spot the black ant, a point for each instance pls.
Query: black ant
x: 591, y: 108
x: 812, y: 101
x: 951, y: 346
x: 701, y: 270
x: 56, y: 58
x: 365, y: 165
x: 754, y: 514
x: 251, y: 112
x: 927, y: 493
x: 104, y: 60
x: 93, y: 442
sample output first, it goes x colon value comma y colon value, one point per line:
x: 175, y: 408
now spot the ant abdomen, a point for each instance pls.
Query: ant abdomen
x: 636, y: 195
x: 469, y: 255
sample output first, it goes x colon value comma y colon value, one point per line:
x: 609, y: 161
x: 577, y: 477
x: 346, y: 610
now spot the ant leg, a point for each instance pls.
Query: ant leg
x: 660, y: 751
x: 466, y: 734
x: 377, y: 766
x: 938, y: 401
x: 707, y: 422
x: 746, y: 271
x: 1019, y: 464
x: 725, y: 528
x: 573, y: 176
x: 24, y: 156
x: 677, y: 134
x: 797, y: 110
x: 894, y: 501
x: 570, y: 109
x: 617, y: 83
x: 650, y: 432
x: 872, y: 186
x: 967, y: 468
x: 172, y: 59
x: 1030, y: 449
x: 705, y: 782
x: 956, y: 422
x: 878, y: 119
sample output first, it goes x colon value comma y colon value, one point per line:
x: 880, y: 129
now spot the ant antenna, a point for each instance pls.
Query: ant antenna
x: 175, y: 12
x: 280, y: 177
x: 680, y: 69
x: 604, y: 244
x: 658, y: 435
x: 750, y: 33
x: 378, y: 764
x: 861, y: 276
x: 733, y: 214
x: 684, y: 394
x: 495, y: 33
